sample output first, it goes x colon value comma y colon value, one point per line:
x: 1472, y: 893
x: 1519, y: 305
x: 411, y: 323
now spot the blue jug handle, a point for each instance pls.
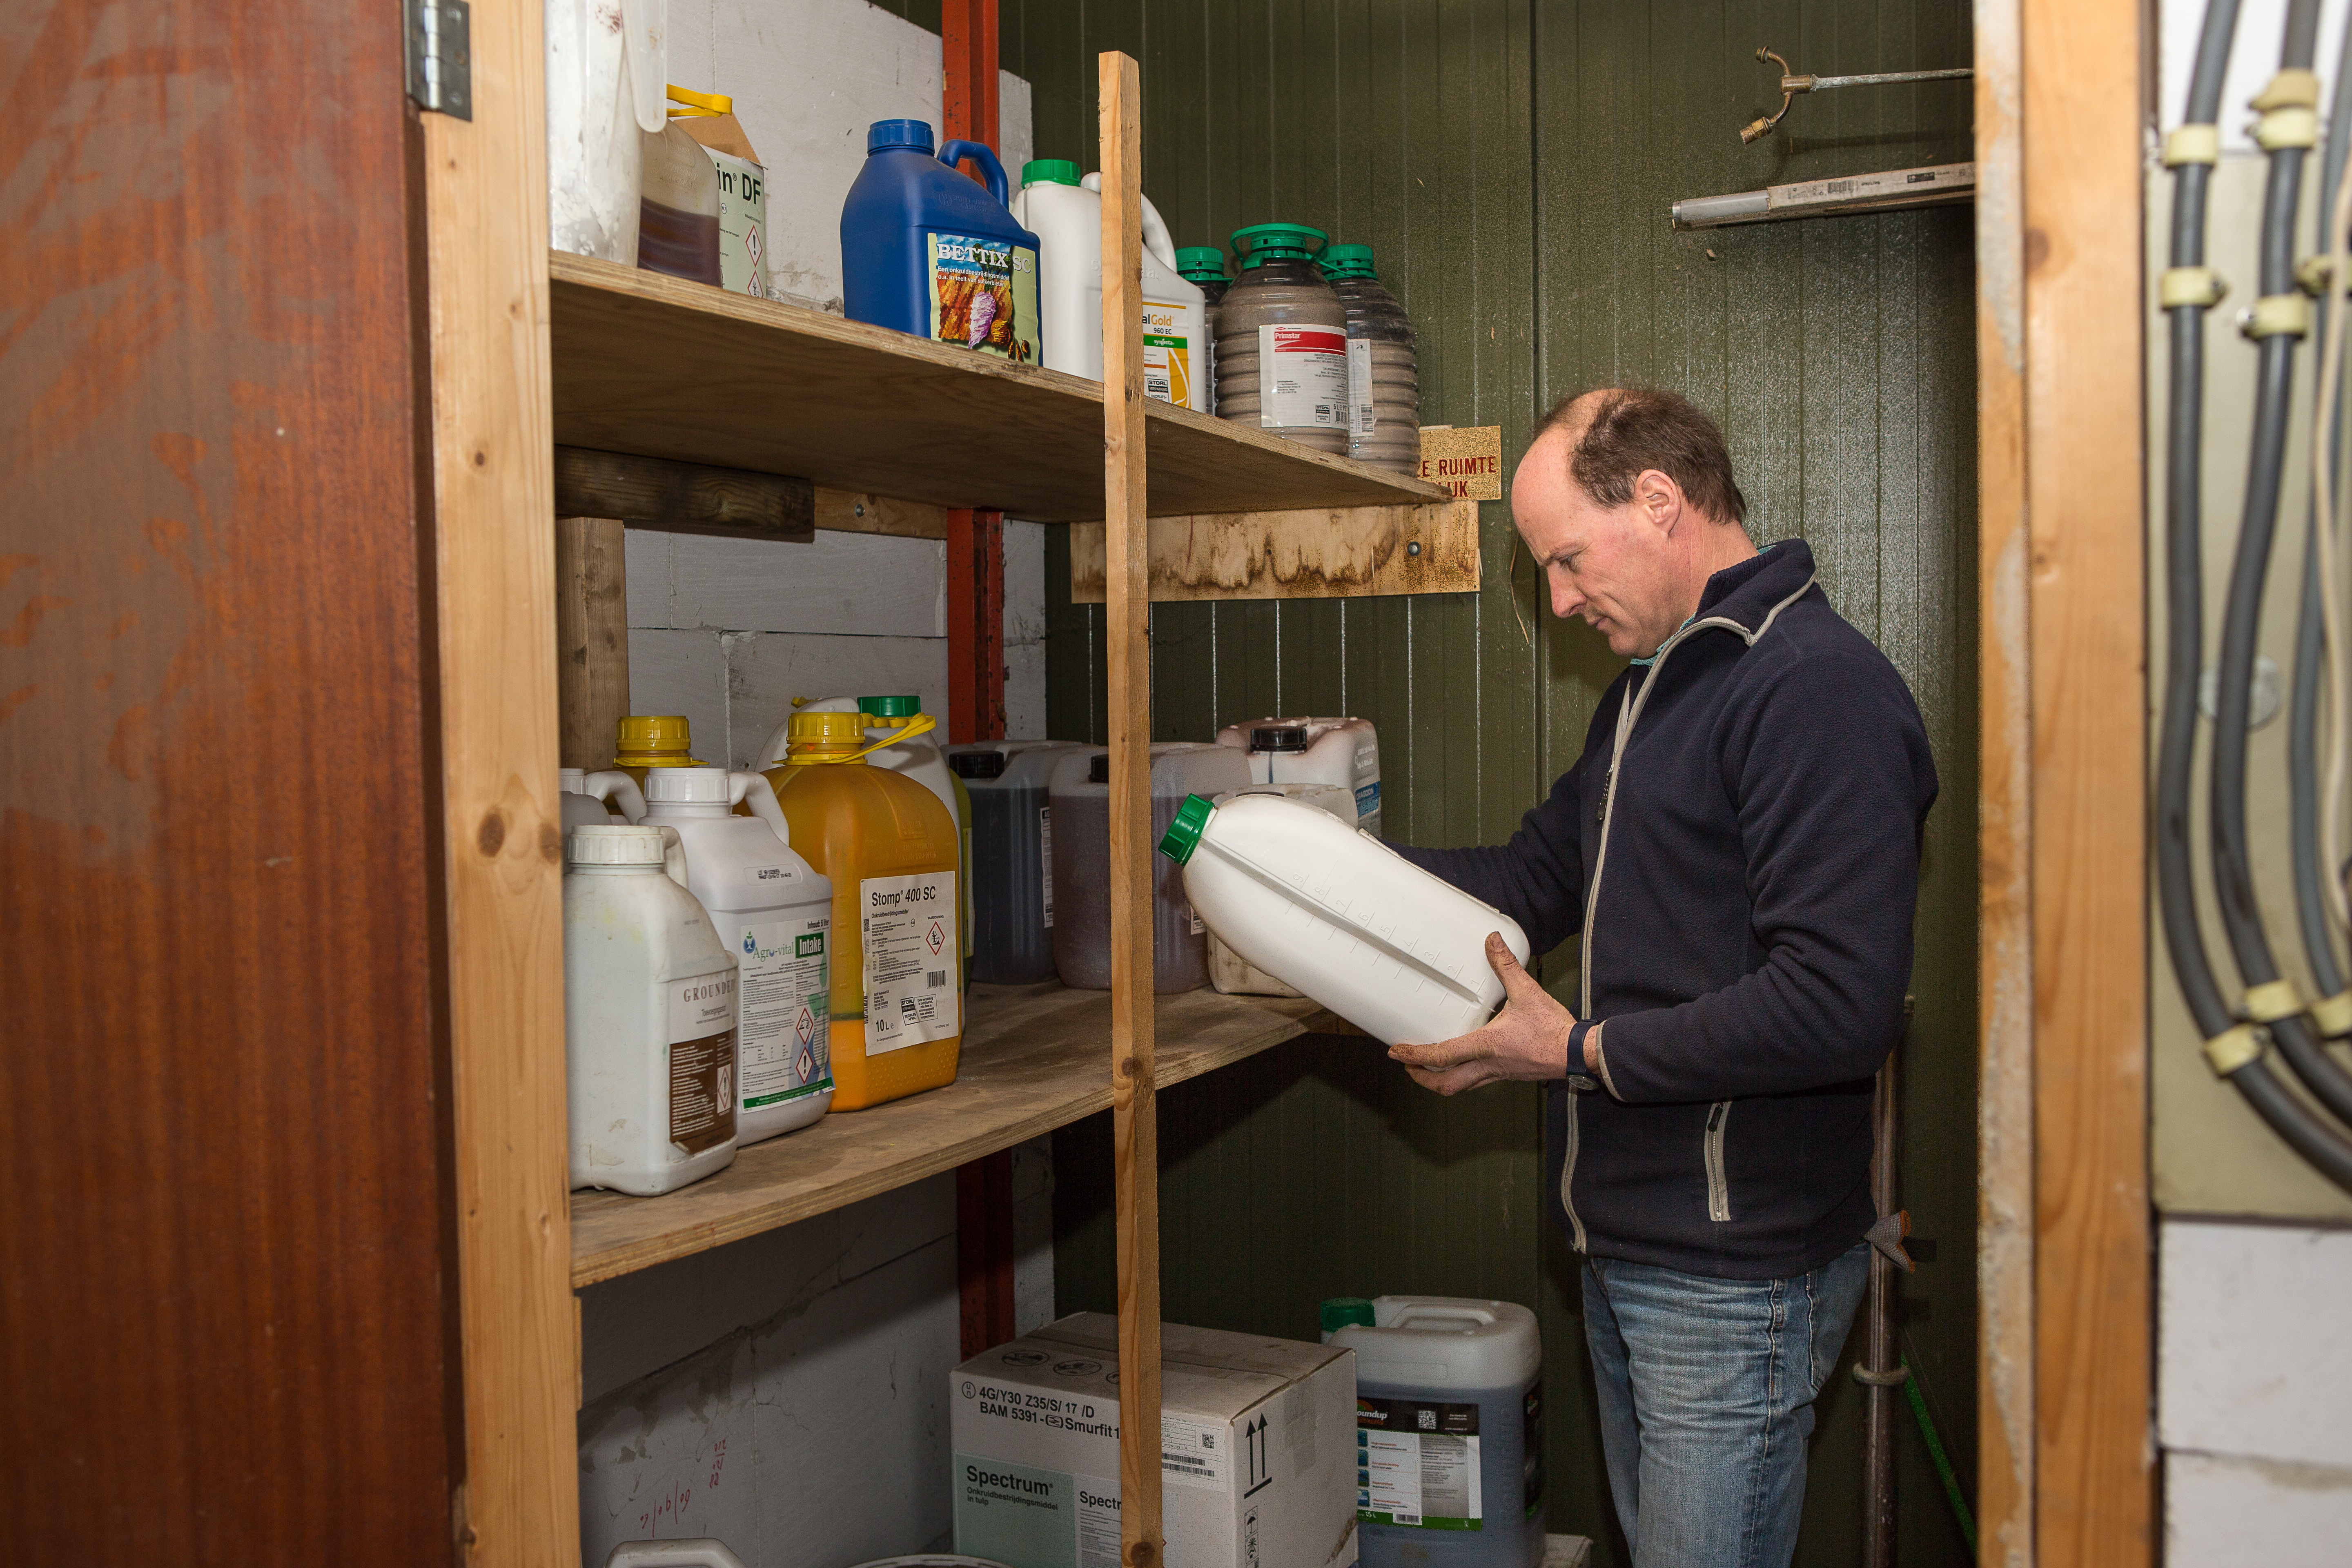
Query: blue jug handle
x: 955, y: 153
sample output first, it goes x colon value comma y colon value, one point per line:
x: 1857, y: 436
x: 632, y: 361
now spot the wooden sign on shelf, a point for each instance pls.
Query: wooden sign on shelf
x: 1467, y: 459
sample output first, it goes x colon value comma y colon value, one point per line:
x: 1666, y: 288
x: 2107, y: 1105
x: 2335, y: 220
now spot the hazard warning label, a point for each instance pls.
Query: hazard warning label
x: 912, y: 987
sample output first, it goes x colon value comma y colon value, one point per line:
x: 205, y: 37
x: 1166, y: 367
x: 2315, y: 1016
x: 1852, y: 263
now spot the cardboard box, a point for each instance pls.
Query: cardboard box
x: 1257, y: 1449
x: 742, y: 202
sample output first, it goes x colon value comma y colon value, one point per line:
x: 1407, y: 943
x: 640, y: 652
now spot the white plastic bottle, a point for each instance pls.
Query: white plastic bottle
x: 1065, y: 213
x: 1323, y: 751
x: 774, y: 912
x: 1449, y: 1431
x: 649, y: 1016
x: 607, y: 83
x: 587, y: 798
x: 1352, y: 923
x: 1229, y: 972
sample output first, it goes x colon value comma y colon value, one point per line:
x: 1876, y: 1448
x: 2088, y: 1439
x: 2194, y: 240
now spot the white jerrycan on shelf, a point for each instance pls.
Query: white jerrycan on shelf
x: 1396, y: 952
x: 1229, y: 972
x: 649, y: 1016
x: 1067, y: 217
x: 775, y: 911
x: 598, y: 799
x: 607, y: 89
x: 1315, y: 750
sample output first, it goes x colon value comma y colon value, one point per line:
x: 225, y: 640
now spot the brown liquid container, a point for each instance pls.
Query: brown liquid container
x: 1384, y: 373
x: 1281, y: 340
x: 677, y: 222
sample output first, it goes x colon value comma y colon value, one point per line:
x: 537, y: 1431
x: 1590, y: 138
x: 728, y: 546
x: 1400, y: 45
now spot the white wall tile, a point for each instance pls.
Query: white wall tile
x: 767, y: 671
x: 853, y: 584
x: 1025, y: 631
x: 2252, y: 1356
x: 2229, y: 1512
x: 674, y: 671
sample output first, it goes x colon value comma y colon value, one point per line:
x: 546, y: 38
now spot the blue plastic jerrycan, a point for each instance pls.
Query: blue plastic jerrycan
x: 925, y: 251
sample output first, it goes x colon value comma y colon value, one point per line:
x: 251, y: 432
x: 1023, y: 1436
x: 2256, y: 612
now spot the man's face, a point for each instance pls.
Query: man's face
x: 1612, y: 565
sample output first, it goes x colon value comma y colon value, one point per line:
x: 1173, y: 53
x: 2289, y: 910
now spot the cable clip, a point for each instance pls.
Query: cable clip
x: 2333, y: 1015
x: 2277, y: 315
x: 2312, y: 273
x: 2192, y: 145
x: 2199, y: 286
x: 1893, y: 1377
x: 2294, y: 87
x: 2285, y: 128
x: 2235, y: 1048
x: 2271, y: 1000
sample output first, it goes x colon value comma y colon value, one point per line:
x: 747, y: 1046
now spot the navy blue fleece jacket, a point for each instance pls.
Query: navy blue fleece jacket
x: 1746, y: 901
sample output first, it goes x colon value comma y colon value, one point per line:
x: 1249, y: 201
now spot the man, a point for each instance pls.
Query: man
x: 1739, y: 845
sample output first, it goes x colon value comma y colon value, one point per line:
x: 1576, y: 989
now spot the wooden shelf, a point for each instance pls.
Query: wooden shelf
x: 663, y: 368
x: 1034, y: 1057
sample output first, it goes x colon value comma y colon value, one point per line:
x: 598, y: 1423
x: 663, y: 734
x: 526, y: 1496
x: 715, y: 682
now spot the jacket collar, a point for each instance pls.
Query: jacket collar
x: 1749, y: 592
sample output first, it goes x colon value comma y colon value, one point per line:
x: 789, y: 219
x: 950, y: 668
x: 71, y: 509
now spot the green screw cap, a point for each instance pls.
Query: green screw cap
x: 1349, y: 261
x: 1184, y: 835
x: 1201, y: 263
x: 1049, y: 172
x: 1347, y: 1311
x: 1263, y: 242
x: 890, y: 707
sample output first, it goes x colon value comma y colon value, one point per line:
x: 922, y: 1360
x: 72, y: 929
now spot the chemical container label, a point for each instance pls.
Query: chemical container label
x: 742, y: 224
x: 1417, y: 1464
x: 1360, y: 423
x: 1045, y: 859
x: 702, y: 1061
x: 1023, y: 1513
x: 783, y: 1045
x: 1302, y: 378
x: 908, y: 924
x: 983, y: 295
x: 1166, y: 357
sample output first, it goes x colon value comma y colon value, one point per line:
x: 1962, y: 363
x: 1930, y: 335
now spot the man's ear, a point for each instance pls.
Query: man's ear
x: 1660, y: 498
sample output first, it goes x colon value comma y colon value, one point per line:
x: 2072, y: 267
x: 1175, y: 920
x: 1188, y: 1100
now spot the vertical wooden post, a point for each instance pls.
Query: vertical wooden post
x: 592, y: 638
x: 1127, y: 615
x: 502, y: 827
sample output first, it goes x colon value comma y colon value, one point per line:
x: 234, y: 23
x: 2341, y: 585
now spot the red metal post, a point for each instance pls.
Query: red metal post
x: 968, y: 81
x: 975, y: 626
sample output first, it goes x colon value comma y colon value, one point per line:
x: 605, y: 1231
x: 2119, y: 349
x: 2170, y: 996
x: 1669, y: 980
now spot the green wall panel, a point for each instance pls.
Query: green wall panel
x: 1513, y: 164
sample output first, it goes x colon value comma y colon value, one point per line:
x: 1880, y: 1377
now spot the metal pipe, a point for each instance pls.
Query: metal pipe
x: 1882, y: 1371
x: 1793, y: 83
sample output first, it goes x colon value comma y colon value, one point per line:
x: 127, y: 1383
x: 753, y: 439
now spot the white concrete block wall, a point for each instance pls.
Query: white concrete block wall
x: 2254, y: 1394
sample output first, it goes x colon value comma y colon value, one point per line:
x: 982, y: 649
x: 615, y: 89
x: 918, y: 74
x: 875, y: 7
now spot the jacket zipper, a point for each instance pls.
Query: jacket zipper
x: 1718, y: 1186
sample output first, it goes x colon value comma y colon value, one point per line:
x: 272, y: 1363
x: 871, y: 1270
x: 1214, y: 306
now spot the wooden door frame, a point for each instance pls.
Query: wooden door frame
x: 2065, y: 1471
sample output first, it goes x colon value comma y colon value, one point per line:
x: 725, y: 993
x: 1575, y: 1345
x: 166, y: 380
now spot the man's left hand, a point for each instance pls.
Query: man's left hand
x: 1526, y: 1042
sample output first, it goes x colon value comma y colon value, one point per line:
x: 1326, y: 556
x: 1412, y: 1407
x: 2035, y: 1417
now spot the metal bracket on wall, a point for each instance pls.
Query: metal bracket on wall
x: 1792, y: 84
x: 440, y: 56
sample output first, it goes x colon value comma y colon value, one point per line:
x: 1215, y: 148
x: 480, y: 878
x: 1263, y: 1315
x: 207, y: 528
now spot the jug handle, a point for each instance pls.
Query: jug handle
x: 955, y: 153
x: 923, y: 725
x: 618, y: 788
x: 705, y: 1552
x: 1156, y: 238
x: 756, y: 788
x: 674, y: 856
x: 646, y: 25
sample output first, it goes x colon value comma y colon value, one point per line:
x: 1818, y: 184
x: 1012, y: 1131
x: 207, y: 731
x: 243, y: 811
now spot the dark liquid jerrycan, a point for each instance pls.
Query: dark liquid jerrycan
x: 925, y: 251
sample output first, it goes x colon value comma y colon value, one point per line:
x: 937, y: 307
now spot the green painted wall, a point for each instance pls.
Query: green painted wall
x: 1512, y: 161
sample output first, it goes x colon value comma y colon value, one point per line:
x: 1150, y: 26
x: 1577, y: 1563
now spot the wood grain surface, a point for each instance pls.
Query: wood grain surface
x: 1134, y: 1072
x: 2094, y: 1489
x: 226, y: 1276
x: 500, y: 832
x: 2005, y: 1218
x: 862, y: 511
x: 1033, y: 1060
x: 1329, y: 552
x: 683, y: 497
x: 592, y: 638
x: 650, y: 363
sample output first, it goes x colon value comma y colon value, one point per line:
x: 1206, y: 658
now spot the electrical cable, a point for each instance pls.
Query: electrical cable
x: 2309, y: 1134
x: 2326, y: 452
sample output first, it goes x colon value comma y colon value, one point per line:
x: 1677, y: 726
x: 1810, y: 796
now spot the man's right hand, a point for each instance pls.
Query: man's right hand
x: 1526, y: 1042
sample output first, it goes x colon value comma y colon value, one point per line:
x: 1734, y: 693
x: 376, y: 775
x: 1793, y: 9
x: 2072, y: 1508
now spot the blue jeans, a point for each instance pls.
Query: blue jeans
x: 1706, y: 1394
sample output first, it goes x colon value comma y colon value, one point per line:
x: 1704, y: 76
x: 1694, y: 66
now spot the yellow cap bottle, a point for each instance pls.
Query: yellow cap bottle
x: 644, y: 741
x: 891, y: 850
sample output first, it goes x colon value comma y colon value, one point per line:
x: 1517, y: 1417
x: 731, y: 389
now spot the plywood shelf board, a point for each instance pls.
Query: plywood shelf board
x: 661, y: 368
x: 1034, y: 1057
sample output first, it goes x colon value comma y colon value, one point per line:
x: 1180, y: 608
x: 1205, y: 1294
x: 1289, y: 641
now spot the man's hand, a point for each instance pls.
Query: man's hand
x: 1526, y: 1042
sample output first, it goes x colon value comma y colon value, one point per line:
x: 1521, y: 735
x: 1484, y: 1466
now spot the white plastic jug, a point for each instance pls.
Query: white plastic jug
x: 1079, y: 795
x: 774, y: 912
x: 1449, y: 1431
x: 1323, y: 751
x: 649, y: 1016
x: 1067, y: 217
x: 1354, y: 925
x: 607, y: 87
x: 1229, y: 972
x: 598, y: 799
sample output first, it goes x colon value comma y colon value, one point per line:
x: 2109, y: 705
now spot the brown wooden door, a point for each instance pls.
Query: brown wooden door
x: 228, y: 1295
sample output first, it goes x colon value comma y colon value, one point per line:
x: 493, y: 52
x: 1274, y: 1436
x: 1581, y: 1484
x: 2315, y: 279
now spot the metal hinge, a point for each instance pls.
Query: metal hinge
x: 440, y: 56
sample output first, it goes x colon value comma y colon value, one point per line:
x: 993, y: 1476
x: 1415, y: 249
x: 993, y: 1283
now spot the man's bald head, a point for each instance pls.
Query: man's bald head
x: 1612, y: 434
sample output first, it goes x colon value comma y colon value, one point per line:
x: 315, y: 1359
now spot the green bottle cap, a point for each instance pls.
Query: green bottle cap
x: 1049, y: 172
x: 1201, y: 263
x: 1347, y: 1311
x: 1184, y: 835
x: 1263, y: 242
x: 890, y: 707
x: 1349, y: 261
